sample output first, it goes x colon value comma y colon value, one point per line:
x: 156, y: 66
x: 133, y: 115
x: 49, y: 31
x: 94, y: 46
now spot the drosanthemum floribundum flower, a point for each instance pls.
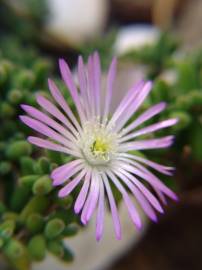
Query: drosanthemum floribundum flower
x: 101, y: 144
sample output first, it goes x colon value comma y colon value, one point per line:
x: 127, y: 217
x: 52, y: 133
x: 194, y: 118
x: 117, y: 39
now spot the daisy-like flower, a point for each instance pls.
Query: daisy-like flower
x: 101, y: 144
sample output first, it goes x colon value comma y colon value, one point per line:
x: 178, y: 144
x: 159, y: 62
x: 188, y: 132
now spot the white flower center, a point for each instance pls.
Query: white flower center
x: 98, y: 143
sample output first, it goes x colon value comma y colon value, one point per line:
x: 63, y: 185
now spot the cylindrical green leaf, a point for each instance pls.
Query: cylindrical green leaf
x: 13, y: 249
x: 5, y: 167
x: 7, y: 229
x: 35, y: 223
x: 56, y: 248
x: 70, y: 230
x: 28, y: 180
x: 68, y: 255
x: 15, y: 96
x: 37, y: 247
x: 42, y: 186
x: 17, y: 149
x: 37, y: 204
x: 19, y: 198
x: 44, y: 164
x: 54, y: 228
x: 27, y: 165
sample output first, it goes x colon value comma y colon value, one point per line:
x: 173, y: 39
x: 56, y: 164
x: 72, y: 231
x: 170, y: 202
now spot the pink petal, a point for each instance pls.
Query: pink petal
x: 48, y: 121
x: 91, y: 201
x: 149, y: 129
x: 134, y: 105
x: 65, y: 191
x: 152, y: 179
x: 45, y: 130
x: 68, y: 79
x: 56, y: 94
x: 83, y: 193
x: 100, y: 213
x: 147, y: 144
x: 53, y: 110
x: 97, y: 82
x: 110, y: 81
x: 141, y: 199
x: 150, y: 197
x: 64, y: 172
x: 127, y: 100
x: 114, y: 211
x: 49, y: 145
x: 83, y: 86
x: 130, y: 206
x: 148, y: 114
x: 158, y: 167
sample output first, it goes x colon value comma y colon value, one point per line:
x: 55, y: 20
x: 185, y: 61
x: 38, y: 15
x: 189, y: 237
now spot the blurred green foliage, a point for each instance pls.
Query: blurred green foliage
x: 177, y: 80
x: 30, y: 225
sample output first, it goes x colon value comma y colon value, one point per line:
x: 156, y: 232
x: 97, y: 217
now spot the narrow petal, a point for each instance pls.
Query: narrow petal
x: 158, y: 167
x: 97, y: 82
x: 110, y: 81
x: 48, y: 121
x: 147, y: 144
x: 63, y: 173
x: 53, y: 110
x: 83, y: 193
x: 149, y: 129
x: 160, y: 195
x: 113, y: 207
x: 150, y: 197
x: 65, y: 191
x: 130, y: 206
x: 140, y: 198
x: 50, y: 145
x: 56, y: 94
x: 82, y: 77
x: 124, y: 104
x: 134, y: 106
x: 91, y: 86
x: 148, y: 114
x: 92, y: 199
x: 45, y: 130
x: 100, y: 213
x: 68, y: 79
x: 150, y: 178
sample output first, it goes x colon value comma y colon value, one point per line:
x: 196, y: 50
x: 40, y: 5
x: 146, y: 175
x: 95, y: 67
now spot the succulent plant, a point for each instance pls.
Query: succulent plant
x: 32, y: 219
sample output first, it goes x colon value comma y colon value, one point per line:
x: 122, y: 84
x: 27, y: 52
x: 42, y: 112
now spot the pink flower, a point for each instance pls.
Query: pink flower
x: 101, y: 144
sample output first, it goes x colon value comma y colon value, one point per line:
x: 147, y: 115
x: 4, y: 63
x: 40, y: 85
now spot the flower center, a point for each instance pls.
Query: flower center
x: 97, y: 143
